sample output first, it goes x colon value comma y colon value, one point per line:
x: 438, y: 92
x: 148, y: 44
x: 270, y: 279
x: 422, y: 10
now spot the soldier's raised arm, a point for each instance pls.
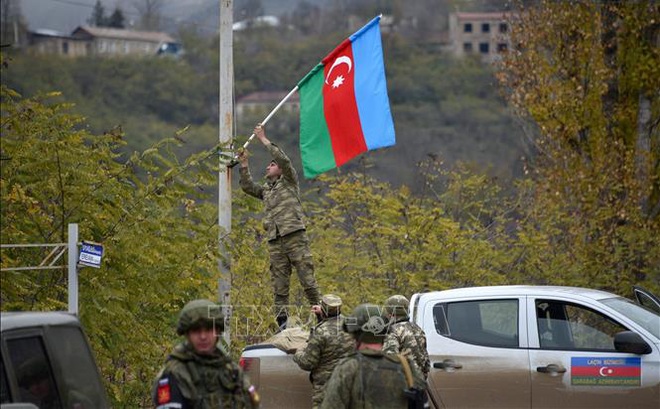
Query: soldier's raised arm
x: 278, y: 155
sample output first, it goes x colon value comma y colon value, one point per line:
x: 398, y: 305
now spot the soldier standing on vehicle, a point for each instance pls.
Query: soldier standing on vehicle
x: 405, y: 337
x: 198, y: 374
x: 369, y: 378
x: 327, y: 344
x: 287, y: 239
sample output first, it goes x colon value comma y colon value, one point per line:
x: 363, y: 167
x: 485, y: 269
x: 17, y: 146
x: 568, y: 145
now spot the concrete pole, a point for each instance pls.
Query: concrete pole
x: 224, y: 177
x: 73, y: 268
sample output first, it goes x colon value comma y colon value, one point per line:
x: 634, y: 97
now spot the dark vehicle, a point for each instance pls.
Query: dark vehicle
x: 46, y: 361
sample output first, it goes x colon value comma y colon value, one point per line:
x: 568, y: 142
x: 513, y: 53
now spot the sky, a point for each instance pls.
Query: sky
x: 65, y: 15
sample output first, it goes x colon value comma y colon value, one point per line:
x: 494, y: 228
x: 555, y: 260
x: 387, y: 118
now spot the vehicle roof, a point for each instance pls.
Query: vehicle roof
x: 17, y: 320
x: 517, y: 290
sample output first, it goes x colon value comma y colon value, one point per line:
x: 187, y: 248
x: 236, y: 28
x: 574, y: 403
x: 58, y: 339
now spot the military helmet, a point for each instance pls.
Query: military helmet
x: 397, y: 305
x: 200, y: 313
x: 367, y: 324
x: 331, y: 304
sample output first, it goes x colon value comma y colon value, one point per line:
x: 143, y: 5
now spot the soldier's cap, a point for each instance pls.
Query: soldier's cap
x: 331, y: 304
x: 331, y: 300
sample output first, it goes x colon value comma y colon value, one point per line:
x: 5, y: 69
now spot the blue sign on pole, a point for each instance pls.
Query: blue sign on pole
x: 91, y: 254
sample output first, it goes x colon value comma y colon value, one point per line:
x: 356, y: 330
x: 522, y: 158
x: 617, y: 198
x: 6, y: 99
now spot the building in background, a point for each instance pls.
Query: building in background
x: 484, y: 34
x: 262, y: 102
x: 103, y: 41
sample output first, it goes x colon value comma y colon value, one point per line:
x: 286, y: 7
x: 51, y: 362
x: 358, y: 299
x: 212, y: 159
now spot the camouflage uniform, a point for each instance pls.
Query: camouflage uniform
x: 328, y: 344
x: 283, y: 221
x: 405, y: 337
x: 209, y: 380
x: 369, y: 379
x: 189, y: 380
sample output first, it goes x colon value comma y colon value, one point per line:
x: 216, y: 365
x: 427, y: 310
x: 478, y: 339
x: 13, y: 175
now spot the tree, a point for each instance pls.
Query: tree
x: 116, y: 19
x: 587, y: 74
x: 12, y: 26
x: 98, y: 17
x: 150, y: 13
x: 148, y: 210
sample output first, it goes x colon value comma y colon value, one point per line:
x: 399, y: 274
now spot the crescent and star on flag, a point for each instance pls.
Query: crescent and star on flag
x: 339, y: 80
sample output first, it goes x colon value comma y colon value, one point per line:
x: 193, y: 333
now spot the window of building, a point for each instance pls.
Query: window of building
x: 503, y: 28
x: 467, y: 27
x: 502, y: 47
x: 485, y: 28
x: 65, y: 47
x: 467, y: 47
x: 484, y: 48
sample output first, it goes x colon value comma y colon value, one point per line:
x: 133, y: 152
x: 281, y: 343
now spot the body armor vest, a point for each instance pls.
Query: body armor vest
x: 215, y: 379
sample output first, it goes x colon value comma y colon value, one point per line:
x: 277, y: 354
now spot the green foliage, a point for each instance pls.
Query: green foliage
x: 585, y: 214
x: 591, y: 211
x: 159, y: 233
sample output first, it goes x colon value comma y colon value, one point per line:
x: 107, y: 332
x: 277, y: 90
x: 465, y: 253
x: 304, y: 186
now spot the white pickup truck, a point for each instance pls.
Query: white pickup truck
x: 514, y: 347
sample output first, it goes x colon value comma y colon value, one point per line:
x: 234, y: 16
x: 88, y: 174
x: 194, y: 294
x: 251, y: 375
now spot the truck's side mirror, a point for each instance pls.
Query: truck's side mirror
x: 632, y: 342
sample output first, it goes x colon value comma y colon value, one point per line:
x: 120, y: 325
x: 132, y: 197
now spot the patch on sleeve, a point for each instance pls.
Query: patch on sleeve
x: 163, y: 394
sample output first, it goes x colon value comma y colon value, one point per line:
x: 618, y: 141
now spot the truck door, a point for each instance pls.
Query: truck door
x: 478, y: 358
x: 574, y: 362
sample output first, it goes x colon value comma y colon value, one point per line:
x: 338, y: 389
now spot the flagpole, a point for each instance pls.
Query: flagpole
x: 265, y: 120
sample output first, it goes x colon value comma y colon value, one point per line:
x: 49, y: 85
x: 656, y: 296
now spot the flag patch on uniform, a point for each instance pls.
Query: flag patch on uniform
x: 164, y: 394
x: 606, y: 371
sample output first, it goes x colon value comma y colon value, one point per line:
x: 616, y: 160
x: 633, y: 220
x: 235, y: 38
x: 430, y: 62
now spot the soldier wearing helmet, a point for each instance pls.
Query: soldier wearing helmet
x: 326, y: 346
x: 405, y: 337
x: 370, y: 378
x: 197, y: 373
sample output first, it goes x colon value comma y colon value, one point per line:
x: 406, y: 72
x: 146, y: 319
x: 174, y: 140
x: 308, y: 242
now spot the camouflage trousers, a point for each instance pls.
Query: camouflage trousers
x: 288, y: 252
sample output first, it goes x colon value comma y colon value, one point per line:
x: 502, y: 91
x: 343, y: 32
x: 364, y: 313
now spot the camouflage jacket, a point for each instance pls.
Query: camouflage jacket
x: 283, y: 210
x: 369, y: 380
x: 194, y: 381
x: 405, y: 337
x: 328, y: 344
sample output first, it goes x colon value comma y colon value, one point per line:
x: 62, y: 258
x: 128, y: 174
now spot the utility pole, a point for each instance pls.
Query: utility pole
x: 224, y: 176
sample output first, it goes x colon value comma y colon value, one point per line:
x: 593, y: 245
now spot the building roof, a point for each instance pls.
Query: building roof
x: 496, y: 15
x: 150, y: 36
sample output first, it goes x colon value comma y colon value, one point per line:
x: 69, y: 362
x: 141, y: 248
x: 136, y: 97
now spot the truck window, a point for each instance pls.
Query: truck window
x: 82, y: 386
x: 4, y: 384
x: 483, y: 322
x: 563, y: 325
x: 34, y: 374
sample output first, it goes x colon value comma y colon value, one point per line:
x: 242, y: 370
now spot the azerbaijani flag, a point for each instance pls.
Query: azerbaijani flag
x: 606, y: 371
x: 344, y: 108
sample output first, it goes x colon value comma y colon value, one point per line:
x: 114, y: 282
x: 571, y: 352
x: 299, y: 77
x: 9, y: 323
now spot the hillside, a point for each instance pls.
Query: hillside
x: 441, y: 107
